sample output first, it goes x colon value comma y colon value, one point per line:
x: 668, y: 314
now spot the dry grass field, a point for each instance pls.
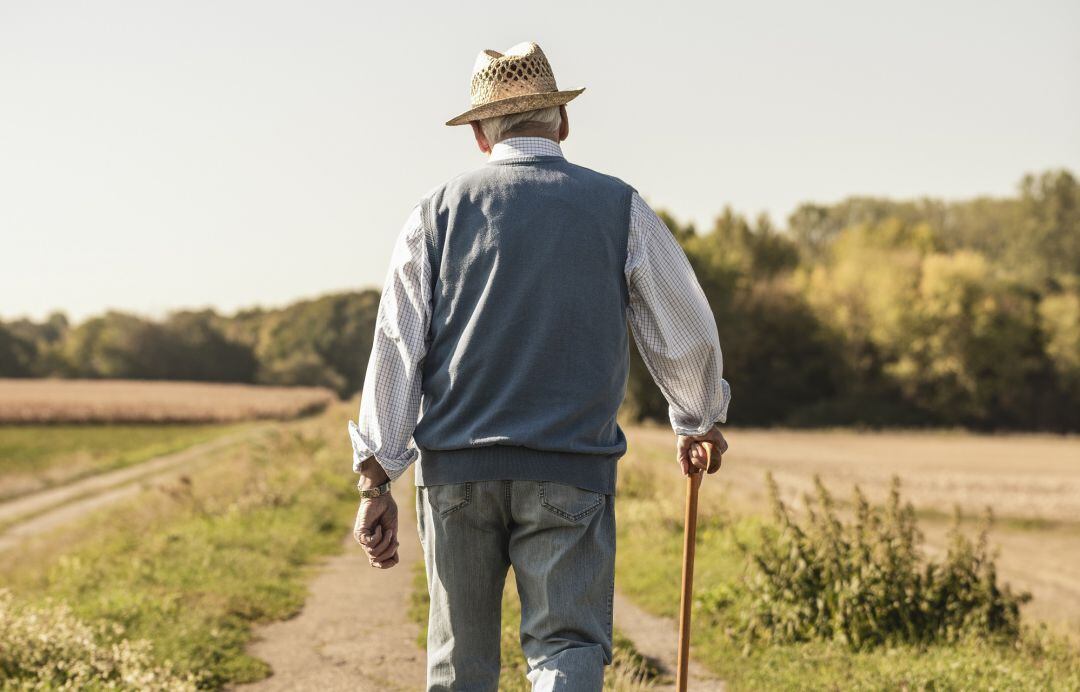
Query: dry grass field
x: 1031, y: 482
x: 128, y: 401
x: 1027, y: 477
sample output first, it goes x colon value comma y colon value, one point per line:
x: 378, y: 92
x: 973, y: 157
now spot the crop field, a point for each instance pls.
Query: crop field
x: 1033, y: 478
x: 128, y: 401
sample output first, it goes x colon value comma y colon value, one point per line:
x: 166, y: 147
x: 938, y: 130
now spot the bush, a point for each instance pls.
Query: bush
x: 44, y: 648
x: 866, y: 583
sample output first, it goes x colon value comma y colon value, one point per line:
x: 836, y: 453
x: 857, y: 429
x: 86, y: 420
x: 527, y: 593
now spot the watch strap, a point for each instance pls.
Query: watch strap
x: 377, y: 491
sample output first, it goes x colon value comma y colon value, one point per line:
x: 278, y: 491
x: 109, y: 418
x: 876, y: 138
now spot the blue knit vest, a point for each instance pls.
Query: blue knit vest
x: 528, y: 352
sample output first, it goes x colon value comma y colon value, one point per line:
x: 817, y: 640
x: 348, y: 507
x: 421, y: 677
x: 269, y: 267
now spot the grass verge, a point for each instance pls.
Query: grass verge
x: 217, y: 551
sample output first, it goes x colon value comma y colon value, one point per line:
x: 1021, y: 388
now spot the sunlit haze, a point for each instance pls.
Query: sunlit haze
x: 163, y: 155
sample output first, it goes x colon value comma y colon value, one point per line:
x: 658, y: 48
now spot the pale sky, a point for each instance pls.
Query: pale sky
x: 158, y: 155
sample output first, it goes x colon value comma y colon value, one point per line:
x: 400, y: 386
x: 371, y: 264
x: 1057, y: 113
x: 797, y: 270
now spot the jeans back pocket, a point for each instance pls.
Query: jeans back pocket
x: 450, y: 497
x: 569, y: 501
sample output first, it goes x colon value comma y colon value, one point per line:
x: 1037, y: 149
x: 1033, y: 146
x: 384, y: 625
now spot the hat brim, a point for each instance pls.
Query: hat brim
x: 516, y: 104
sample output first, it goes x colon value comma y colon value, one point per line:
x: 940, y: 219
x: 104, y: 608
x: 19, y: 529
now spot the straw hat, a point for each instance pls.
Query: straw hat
x: 512, y: 82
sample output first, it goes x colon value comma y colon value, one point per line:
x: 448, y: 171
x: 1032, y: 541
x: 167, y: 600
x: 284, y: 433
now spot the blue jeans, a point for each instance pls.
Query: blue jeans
x: 560, y: 539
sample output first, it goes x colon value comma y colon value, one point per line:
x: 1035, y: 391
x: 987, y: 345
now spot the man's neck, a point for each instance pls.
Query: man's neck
x: 523, y: 146
x: 546, y: 134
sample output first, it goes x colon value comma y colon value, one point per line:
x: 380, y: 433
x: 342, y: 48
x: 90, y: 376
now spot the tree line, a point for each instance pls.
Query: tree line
x: 321, y: 342
x: 868, y: 311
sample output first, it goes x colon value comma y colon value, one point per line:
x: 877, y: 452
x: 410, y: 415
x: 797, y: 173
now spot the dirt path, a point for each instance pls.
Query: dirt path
x: 656, y: 638
x: 326, y: 647
x: 35, y: 513
x: 342, y: 640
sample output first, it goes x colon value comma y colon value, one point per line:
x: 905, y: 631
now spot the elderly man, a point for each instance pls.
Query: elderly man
x: 504, y: 318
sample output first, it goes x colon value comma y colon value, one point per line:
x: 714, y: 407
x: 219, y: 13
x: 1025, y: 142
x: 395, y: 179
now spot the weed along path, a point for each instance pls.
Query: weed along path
x: 29, y: 515
x: 354, y: 632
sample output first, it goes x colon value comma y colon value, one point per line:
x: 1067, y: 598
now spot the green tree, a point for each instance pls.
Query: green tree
x: 970, y: 343
x: 1060, y: 316
x: 324, y: 341
x: 16, y: 355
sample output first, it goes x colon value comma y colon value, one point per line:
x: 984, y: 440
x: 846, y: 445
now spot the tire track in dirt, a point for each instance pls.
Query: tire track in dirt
x: 33, y: 514
x: 657, y: 639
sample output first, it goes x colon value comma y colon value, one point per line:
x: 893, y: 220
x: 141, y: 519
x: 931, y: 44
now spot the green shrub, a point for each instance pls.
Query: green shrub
x: 866, y: 583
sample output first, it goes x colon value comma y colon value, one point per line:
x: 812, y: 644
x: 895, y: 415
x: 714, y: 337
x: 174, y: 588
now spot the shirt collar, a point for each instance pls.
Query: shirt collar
x: 524, y: 147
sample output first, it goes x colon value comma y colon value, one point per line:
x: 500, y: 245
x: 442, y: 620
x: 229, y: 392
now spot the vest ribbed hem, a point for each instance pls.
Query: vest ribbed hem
x: 596, y: 472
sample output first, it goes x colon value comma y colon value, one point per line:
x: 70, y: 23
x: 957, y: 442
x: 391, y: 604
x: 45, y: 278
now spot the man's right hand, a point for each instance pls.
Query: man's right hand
x: 691, y: 454
x: 376, y: 530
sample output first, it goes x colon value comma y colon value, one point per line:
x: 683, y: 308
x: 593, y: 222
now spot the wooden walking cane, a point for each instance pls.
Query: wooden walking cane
x: 693, y: 482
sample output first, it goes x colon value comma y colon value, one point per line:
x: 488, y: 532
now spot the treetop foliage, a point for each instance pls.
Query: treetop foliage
x: 869, y: 311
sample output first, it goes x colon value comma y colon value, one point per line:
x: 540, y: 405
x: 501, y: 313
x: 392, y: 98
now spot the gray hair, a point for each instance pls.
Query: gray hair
x: 503, y: 126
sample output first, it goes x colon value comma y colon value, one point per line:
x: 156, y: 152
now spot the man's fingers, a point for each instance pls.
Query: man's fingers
x: 387, y: 552
x: 682, y: 457
x: 690, y: 452
x: 376, y: 548
x: 362, y: 534
x: 359, y: 530
x: 696, y: 457
x: 387, y: 555
x: 387, y: 563
x: 373, y: 537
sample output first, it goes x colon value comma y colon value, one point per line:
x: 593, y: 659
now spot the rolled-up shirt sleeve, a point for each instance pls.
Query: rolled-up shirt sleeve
x: 673, y: 325
x: 390, y: 401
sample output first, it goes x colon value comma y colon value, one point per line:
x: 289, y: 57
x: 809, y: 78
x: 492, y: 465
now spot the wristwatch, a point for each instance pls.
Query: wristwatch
x: 377, y: 491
